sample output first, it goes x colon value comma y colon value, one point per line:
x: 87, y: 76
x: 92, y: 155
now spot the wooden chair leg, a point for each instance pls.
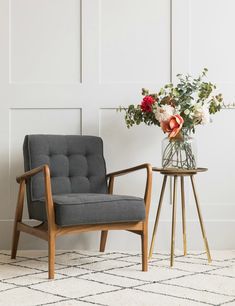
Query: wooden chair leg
x: 51, y: 257
x: 103, y: 239
x: 18, y: 218
x: 15, y: 241
x: 144, y: 244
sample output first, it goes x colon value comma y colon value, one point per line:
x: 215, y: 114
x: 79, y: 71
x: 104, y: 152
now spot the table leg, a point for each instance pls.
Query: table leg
x: 183, y: 215
x: 201, y: 220
x: 173, y: 220
x: 157, y: 216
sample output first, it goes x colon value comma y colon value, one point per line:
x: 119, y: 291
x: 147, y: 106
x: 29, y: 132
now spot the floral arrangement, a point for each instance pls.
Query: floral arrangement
x: 177, y: 110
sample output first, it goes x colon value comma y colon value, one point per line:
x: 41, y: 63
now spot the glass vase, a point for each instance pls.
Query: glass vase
x: 179, y: 152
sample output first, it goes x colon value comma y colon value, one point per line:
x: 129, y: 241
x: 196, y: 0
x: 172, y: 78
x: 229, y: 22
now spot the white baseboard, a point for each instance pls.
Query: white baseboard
x: 220, y: 234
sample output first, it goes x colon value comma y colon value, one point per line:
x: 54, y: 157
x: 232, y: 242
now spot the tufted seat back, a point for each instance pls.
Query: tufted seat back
x: 76, y: 164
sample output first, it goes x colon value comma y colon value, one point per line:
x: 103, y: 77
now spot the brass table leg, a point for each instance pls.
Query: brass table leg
x: 201, y: 220
x: 173, y: 220
x: 183, y: 215
x: 157, y: 216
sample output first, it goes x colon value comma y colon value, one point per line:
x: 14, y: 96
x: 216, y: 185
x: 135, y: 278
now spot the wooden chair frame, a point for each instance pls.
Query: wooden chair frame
x: 50, y: 230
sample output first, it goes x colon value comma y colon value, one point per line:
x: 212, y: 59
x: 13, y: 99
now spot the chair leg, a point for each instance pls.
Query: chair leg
x: 51, y: 256
x: 144, y: 244
x: 18, y: 218
x: 103, y: 239
x: 15, y: 241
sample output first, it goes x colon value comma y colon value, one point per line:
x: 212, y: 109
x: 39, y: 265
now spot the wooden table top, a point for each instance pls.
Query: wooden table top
x: 175, y: 171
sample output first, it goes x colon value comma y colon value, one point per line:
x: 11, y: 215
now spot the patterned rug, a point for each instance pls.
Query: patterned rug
x: 115, y: 279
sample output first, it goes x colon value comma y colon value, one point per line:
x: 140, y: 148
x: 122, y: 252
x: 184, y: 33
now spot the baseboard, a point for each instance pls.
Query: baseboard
x: 220, y: 234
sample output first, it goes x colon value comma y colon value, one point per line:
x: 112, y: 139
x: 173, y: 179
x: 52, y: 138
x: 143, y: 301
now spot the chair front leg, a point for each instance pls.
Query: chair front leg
x: 52, y: 227
x: 51, y: 256
x: 18, y: 218
x: 144, y: 247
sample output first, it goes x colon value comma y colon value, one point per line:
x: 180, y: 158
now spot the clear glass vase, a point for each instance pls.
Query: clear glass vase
x: 179, y: 152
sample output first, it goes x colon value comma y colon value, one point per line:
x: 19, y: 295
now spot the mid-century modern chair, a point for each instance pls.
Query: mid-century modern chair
x: 66, y: 184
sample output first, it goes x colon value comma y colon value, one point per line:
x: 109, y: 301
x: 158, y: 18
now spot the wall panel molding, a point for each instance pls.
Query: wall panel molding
x: 95, y: 56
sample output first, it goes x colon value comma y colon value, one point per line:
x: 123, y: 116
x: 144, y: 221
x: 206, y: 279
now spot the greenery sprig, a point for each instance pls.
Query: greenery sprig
x: 189, y: 98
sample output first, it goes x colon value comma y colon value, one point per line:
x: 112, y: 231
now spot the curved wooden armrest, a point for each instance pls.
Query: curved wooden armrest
x: 128, y: 170
x: 33, y: 172
x: 148, y: 186
x: 48, y: 194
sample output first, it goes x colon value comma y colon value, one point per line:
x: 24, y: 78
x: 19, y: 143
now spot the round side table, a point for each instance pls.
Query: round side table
x: 171, y: 172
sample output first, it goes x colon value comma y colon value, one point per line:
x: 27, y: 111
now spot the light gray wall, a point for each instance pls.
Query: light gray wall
x: 66, y: 66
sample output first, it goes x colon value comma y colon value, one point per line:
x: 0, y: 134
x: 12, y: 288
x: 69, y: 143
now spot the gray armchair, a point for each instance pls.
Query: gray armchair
x: 66, y: 185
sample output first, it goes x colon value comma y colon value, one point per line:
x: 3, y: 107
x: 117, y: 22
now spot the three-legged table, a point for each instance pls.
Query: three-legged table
x: 178, y: 173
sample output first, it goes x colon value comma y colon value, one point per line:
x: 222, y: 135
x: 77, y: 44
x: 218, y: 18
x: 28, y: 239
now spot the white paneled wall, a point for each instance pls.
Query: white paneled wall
x: 66, y: 65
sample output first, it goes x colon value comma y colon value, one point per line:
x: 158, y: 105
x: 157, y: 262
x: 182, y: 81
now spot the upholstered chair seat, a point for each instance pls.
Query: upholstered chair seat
x: 93, y: 208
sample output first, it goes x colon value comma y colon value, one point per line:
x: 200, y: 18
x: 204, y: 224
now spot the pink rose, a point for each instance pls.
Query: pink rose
x: 173, y: 125
x: 146, y: 104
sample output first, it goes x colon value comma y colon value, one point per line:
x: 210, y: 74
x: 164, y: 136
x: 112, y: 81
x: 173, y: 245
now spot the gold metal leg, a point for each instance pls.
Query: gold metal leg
x: 201, y: 220
x: 157, y: 216
x: 183, y: 215
x: 173, y: 220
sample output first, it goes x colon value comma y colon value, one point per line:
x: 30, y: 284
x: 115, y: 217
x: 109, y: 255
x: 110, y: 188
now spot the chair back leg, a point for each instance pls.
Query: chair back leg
x: 103, y: 239
x: 104, y: 234
x: 18, y: 218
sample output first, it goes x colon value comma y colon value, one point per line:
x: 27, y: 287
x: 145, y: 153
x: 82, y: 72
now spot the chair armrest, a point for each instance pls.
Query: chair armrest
x: 128, y: 170
x: 32, y: 172
x: 48, y: 193
x: 148, y: 185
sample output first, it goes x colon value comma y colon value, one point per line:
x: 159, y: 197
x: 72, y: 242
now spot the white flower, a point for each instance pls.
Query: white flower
x: 206, y: 118
x: 164, y: 112
x: 187, y: 111
x: 178, y: 108
x: 201, y: 113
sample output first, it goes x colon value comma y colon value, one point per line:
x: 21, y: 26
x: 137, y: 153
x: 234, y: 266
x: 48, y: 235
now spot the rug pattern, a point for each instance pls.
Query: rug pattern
x: 115, y: 279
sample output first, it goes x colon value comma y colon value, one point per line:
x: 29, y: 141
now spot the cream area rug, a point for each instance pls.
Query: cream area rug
x: 115, y: 279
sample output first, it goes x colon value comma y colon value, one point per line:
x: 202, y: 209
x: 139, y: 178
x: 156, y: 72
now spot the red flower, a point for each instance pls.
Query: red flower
x: 173, y: 125
x: 146, y: 104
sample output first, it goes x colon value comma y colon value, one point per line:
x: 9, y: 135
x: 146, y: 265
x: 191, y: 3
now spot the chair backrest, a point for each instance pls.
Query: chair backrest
x: 76, y: 164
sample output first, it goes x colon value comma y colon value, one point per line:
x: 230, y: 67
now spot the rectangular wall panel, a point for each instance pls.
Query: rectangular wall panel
x: 134, y: 41
x: 211, y: 44
x: 45, y: 41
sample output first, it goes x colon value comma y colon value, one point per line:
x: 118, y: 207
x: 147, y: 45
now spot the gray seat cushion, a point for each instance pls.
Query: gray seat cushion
x: 88, y: 208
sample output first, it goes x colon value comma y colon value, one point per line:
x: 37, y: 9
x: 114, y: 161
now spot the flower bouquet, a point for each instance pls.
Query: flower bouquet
x: 177, y: 110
